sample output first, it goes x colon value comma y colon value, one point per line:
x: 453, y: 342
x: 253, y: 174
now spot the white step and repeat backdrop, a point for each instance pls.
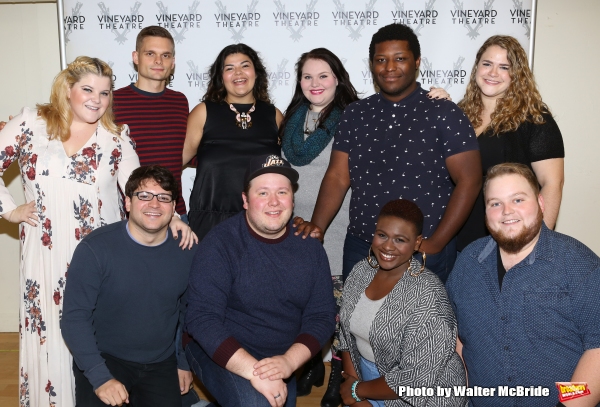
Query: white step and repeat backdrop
x: 450, y: 33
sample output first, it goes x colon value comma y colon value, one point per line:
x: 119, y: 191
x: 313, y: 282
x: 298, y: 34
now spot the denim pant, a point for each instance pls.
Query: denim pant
x: 148, y: 385
x: 356, y: 249
x: 368, y: 371
x: 229, y: 389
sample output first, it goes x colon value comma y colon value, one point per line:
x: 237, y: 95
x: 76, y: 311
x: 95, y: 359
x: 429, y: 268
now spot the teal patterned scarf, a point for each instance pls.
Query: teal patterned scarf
x: 299, y: 151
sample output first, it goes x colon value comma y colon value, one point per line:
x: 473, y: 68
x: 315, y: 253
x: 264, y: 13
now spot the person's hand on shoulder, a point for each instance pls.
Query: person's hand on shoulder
x: 113, y: 393
x: 2, y: 123
x: 438, y: 93
x: 307, y: 229
x: 188, y: 238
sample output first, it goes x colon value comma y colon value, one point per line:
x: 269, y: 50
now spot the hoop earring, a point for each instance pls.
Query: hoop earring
x: 416, y: 273
x: 371, y: 261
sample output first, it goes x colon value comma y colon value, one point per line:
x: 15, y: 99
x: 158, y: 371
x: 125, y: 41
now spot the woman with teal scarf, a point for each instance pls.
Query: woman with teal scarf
x: 323, y: 90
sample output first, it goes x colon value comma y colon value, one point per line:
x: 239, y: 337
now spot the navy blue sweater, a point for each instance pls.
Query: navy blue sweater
x: 260, y: 294
x: 124, y: 299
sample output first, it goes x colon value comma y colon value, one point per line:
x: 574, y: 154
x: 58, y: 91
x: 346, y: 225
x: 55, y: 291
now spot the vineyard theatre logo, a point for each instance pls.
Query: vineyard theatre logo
x: 355, y: 20
x: 281, y: 76
x: 195, y: 78
x: 74, y: 22
x: 444, y: 78
x: 178, y: 24
x: 237, y: 22
x: 415, y: 18
x: 473, y: 19
x: 120, y: 24
x: 521, y: 16
x: 367, y: 76
x: 296, y: 21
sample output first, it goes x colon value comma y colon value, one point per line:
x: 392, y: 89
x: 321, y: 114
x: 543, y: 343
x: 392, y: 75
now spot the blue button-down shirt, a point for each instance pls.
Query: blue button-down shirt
x: 533, y: 331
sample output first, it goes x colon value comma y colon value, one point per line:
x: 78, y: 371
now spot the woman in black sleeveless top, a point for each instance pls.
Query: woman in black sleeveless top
x: 234, y: 122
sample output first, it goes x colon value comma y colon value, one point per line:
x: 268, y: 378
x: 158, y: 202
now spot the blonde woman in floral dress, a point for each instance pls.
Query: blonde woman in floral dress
x: 71, y: 155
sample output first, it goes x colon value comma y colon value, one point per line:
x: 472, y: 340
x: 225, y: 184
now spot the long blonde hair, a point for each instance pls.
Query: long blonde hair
x: 58, y: 114
x: 522, y: 101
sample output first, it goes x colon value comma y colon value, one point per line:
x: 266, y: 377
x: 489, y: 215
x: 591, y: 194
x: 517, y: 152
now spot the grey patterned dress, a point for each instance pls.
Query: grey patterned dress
x: 413, y: 335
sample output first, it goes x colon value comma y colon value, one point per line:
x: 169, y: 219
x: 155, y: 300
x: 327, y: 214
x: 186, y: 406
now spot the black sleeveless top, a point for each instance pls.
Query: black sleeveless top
x: 223, y: 155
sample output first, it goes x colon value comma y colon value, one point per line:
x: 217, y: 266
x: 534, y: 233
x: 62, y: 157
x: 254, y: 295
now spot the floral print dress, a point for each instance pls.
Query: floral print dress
x: 73, y: 196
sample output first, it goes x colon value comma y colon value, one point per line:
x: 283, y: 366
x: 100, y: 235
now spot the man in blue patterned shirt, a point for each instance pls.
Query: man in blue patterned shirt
x: 399, y: 143
x: 526, y: 301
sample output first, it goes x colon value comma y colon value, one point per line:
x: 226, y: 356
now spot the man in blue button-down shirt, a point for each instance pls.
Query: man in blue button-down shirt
x: 526, y: 301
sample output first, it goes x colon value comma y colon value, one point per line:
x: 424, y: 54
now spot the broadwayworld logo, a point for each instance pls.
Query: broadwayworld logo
x: 74, y: 22
x: 355, y: 20
x: 415, y: 17
x: 237, y: 23
x: 178, y: 24
x: 479, y: 17
x: 120, y: 24
x: 296, y: 21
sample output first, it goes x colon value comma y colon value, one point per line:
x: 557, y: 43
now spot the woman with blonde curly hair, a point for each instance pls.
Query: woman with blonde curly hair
x: 512, y: 124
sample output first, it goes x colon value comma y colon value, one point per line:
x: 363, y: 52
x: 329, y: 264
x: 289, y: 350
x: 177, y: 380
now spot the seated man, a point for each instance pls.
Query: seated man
x: 526, y: 301
x: 124, y: 302
x: 260, y: 302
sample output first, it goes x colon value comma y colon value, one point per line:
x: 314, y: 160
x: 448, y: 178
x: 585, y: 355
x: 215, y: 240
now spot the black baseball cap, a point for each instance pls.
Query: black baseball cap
x: 270, y: 163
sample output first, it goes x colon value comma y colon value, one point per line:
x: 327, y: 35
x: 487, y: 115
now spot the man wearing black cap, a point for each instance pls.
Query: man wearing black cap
x: 260, y: 301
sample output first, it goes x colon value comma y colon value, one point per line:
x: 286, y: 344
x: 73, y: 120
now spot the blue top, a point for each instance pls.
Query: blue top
x: 399, y: 150
x: 260, y: 294
x: 124, y: 299
x: 534, y: 331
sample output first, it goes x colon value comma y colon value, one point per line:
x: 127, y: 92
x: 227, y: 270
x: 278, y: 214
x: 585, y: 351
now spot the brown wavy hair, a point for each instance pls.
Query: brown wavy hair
x: 216, y: 91
x: 522, y: 101
x: 58, y: 115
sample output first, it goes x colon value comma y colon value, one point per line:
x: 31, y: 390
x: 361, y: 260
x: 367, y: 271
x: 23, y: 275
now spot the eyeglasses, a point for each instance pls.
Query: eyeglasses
x: 148, y: 196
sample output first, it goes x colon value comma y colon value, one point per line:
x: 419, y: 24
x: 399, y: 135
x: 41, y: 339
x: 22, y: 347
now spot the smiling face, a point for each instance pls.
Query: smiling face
x: 513, y: 213
x: 239, y: 77
x: 155, y: 60
x: 269, y: 204
x: 89, y: 98
x: 318, y: 83
x: 394, y: 243
x: 493, y: 73
x: 149, y: 218
x: 395, y: 69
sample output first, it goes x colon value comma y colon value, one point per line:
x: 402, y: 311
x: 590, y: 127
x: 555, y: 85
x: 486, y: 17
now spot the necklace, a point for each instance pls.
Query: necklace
x: 309, y: 129
x: 243, y: 120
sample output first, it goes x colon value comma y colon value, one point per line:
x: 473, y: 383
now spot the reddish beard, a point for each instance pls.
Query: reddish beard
x: 514, y: 244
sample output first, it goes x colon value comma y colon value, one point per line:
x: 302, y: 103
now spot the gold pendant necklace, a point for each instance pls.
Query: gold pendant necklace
x: 243, y: 120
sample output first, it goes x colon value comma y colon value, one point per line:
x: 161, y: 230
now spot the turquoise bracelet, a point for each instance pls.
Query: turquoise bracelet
x: 353, y: 391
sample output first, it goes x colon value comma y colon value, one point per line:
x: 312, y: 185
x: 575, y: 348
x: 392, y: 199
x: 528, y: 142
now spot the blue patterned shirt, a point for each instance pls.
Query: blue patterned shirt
x: 534, y: 331
x: 399, y: 150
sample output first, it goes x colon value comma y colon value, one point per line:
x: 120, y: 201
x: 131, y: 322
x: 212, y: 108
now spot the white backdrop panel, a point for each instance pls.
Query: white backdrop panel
x: 450, y: 32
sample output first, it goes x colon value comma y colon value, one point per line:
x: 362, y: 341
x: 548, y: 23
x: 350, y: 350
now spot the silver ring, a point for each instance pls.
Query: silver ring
x: 279, y: 395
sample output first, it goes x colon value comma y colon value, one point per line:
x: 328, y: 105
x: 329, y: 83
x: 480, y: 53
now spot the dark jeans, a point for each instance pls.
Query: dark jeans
x: 356, y: 249
x: 148, y: 385
x: 229, y: 389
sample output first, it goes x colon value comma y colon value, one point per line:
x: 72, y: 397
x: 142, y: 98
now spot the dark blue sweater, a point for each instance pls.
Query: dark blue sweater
x: 124, y: 299
x: 260, y: 294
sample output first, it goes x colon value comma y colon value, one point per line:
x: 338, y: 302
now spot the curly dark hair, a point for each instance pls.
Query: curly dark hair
x: 344, y: 92
x: 396, y: 32
x: 216, y: 91
x: 405, y: 210
x: 158, y: 173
